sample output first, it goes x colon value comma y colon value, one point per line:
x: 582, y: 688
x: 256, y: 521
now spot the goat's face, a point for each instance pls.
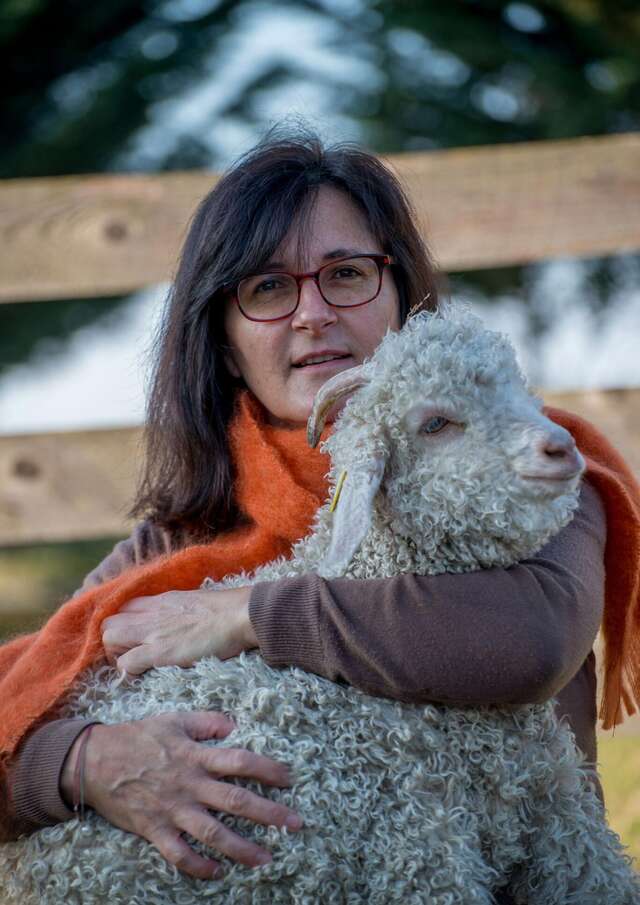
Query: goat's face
x: 496, y: 477
x: 468, y: 465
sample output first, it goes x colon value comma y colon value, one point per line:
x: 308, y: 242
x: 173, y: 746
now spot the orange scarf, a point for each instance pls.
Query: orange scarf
x: 280, y: 485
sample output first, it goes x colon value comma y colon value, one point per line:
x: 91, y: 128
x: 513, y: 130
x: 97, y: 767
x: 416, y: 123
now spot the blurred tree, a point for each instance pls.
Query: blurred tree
x: 144, y: 84
x: 483, y: 71
x: 79, y: 80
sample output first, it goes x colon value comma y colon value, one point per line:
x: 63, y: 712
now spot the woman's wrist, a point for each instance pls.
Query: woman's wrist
x: 250, y: 639
x: 73, y: 770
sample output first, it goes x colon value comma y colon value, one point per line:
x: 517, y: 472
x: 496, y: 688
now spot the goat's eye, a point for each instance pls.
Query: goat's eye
x: 435, y: 424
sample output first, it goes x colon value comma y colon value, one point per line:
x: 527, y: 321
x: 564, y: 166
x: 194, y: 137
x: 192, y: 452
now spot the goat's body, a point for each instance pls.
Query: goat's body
x: 419, y: 805
x: 402, y: 803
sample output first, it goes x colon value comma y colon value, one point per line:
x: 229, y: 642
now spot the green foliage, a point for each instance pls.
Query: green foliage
x: 35, y: 580
x: 81, y: 78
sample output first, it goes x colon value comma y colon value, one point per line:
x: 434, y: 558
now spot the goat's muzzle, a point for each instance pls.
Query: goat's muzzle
x: 553, y: 456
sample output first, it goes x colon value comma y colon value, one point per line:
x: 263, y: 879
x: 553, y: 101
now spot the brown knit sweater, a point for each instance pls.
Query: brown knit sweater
x: 502, y: 636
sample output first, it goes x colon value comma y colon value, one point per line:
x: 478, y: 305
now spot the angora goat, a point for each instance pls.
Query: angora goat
x: 451, y: 466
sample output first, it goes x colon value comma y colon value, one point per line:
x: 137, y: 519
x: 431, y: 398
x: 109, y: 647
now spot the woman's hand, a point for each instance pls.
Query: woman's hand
x: 178, y: 628
x: 152, y: 778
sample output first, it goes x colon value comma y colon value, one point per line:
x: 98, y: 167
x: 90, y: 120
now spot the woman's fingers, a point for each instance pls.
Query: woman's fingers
x: 121, y: 632
x: 155, y: 778
x: 203, y: 724
x: 137, y: 619
x: 232, y: 799
x: 215, y: 835
x: 179, y: 628
x: 145, y: 604
x: 179, y: 853
x: 139, y: 659
x: 246, y: 764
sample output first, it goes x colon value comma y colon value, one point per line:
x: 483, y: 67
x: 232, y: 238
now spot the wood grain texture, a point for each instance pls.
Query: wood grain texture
x: 79, y: 485
x: 86, y: 236
x: 513, y: 204
x: 91, y: 236
x: 66, y: 486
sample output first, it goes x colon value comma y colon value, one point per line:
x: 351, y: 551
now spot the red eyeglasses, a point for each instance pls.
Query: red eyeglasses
x: 346, y: 283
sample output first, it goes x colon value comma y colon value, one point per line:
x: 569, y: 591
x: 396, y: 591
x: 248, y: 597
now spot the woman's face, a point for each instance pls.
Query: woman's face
x: 263, y: 354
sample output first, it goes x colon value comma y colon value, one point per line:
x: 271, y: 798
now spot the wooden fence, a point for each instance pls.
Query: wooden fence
x: 92, y: 236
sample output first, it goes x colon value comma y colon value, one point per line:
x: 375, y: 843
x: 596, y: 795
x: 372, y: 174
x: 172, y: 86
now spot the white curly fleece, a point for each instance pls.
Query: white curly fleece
x: 402, y: 803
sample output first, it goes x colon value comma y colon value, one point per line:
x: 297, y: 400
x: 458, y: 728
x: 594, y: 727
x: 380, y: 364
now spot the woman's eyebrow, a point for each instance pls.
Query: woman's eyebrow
x: 329, y: 255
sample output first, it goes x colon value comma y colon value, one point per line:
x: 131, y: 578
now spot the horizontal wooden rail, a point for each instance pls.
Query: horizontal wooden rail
x: 77, y: 236
x: 66, y: 486
x: 69, y: 486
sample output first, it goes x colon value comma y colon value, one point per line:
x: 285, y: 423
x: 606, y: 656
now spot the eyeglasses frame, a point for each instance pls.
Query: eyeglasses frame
x: 381, y: 261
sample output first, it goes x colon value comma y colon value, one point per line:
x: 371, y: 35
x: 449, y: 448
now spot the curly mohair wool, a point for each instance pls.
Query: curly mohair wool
x: 402, y: 803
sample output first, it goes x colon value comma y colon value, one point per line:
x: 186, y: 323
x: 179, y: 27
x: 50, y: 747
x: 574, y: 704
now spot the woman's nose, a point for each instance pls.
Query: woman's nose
x: 312, y: 311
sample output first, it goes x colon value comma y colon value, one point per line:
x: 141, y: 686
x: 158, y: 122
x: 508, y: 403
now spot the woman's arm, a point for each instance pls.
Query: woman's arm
x: 30, y: 786
x: 495, y: 636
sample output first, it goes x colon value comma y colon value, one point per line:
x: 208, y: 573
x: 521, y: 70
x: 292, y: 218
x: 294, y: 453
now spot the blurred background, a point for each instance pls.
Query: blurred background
x: 142, y: 85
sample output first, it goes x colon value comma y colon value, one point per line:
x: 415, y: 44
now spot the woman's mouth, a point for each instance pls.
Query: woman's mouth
x: 321, y: 362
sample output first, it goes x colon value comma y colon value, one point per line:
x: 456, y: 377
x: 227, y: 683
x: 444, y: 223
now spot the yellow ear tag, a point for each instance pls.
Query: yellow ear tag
x: 338, y: 491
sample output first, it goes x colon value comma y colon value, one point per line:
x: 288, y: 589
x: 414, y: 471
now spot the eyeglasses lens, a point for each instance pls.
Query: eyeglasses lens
x: 271, y: 295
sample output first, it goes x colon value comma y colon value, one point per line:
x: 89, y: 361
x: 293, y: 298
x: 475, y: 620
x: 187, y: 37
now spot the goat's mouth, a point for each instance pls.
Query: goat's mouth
x: 554, y: 479
x: 552, y: 484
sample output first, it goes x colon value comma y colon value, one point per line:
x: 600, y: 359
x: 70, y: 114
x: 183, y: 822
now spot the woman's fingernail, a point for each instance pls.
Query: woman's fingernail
x: 264, y: 858
x: 293, y: 822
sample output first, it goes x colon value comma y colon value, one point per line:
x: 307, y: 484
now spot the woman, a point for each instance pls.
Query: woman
x: 254, y: 305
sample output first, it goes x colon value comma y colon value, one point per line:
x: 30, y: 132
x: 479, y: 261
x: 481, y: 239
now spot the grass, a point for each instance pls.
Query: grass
x: 35, y: 580
x: 619, y: 761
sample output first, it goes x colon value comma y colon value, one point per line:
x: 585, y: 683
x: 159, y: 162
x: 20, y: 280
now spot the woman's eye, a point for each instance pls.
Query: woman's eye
x: 435, y: 424
x: 267, y: 286
x: 345, y: 273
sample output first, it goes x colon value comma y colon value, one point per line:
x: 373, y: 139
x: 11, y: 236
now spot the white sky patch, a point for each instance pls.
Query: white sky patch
x: 264, y: 37
x: 524, y: 17
x: 96, y: 380
x: 425, y: 61
x: 579, y: 348
x: 496, y: 101
x: 186, y: 10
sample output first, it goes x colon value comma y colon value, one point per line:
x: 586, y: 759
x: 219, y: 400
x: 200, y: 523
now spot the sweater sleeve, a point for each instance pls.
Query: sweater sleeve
x: 146, y: 543
x: 30, y: 786
x: 497, y: 636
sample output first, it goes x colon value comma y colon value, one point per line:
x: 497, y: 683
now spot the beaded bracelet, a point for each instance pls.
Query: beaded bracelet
x: 78, y: 776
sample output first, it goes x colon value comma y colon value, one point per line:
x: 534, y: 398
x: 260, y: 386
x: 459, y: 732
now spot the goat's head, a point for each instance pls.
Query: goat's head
x: 441, y: 422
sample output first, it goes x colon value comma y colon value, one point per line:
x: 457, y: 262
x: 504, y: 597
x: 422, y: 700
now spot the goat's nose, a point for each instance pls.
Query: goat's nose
x: 557, y: 446
x: 556, y: 451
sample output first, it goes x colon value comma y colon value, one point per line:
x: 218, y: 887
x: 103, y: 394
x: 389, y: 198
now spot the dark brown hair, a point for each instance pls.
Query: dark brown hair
x: 188, y: 477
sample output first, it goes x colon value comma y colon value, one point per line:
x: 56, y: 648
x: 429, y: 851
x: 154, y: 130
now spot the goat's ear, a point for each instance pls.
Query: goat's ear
x: 352, y: 516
